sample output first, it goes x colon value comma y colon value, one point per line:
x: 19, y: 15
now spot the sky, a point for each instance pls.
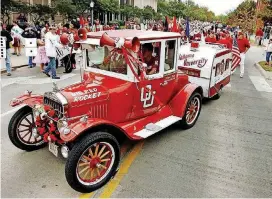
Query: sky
x: 219, y: 6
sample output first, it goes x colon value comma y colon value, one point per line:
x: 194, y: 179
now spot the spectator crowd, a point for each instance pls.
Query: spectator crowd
x: 48, y: 38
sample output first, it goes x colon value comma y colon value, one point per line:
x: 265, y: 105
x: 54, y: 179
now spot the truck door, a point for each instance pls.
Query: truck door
x: 160, y: 85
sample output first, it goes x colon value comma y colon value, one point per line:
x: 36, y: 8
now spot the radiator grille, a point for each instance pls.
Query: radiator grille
x: 52, y: 101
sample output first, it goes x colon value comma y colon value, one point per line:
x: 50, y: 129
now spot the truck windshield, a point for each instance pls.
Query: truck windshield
x: 104, y: 59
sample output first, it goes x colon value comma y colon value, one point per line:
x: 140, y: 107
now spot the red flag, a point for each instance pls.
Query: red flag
x: 236, y: 57
x: 175, y: 27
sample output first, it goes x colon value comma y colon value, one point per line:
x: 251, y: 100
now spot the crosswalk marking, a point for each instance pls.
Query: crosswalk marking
x: 260, y: 84
x: 33, y: 80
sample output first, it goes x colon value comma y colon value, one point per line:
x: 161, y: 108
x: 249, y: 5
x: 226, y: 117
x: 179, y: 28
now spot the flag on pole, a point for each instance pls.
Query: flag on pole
x: 187, y: 31
x: 175, y: 27
x: 236, y: 57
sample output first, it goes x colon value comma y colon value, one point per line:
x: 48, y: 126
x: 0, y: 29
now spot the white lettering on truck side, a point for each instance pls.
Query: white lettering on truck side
x: 87, y: 96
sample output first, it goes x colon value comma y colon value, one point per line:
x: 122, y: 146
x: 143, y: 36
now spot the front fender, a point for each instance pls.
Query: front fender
x: 78, y: 128
x: 27, y: 99
x: 179, y: 102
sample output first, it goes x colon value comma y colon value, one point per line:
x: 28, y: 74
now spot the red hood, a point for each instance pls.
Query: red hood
x: 95, y: 87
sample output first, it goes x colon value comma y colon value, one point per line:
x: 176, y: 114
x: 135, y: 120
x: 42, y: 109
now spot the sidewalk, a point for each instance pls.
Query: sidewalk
x: 259, y: 53
x: 16, y: 61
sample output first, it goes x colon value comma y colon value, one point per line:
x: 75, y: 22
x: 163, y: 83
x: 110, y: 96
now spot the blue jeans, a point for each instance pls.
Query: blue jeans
x: 30, y: 61
x: 8, y: 61
x: 268, y: 55
x: 51, y: 66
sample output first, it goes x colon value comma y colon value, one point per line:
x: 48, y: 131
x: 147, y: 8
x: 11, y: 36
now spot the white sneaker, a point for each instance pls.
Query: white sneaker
x: 241, y: 76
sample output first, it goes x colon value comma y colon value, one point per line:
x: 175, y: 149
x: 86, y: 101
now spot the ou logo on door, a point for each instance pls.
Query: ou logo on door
x: 147, y: 97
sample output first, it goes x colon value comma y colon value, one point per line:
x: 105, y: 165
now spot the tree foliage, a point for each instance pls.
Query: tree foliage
x: 65, y: 8
x: 7, y: 7
x: 109, y: 5
x: 148, y: 12
x: 40, y: 12
x: 266, y: 13
x: 243, y: 16
x: 189, y: 9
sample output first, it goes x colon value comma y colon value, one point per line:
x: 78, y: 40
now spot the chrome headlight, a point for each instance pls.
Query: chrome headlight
x: 63, y: 127
x: 36, y: 113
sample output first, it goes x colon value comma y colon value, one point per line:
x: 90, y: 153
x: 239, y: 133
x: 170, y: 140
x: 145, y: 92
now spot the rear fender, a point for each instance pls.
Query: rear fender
x: 79, y: 128
x: 27, y: 99
x: 179, y: 102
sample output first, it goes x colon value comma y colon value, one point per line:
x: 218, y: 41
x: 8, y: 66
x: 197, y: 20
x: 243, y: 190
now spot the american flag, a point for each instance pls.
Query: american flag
x: 236, y: 58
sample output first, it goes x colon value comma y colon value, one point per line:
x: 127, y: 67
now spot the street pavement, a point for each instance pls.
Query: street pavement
x: 15, y: 60
x: 227, y: 154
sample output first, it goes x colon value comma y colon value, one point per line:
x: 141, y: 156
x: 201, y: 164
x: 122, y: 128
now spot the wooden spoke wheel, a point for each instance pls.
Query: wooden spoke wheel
x: 23, y: 132
x: 95, y: 163
x: 192, y: 111
x: 92, y: 162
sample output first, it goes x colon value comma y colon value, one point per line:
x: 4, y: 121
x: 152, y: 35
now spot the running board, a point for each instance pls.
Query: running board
x: 152, y: 128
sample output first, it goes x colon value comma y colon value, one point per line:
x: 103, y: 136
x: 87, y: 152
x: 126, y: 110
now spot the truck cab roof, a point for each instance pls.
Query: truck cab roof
x: 130, y: 34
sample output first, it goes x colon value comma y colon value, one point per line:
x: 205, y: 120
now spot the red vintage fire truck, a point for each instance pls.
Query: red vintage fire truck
x: 117, y: 98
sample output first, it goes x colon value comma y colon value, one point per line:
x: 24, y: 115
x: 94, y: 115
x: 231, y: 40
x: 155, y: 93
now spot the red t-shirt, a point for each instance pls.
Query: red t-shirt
x: 197, y: 37
x: 230, y: 39
x: 243, y: 44
x: 210, y: 40
x: 59, y: 32
x: 259, y: 33
x: 225, y: 42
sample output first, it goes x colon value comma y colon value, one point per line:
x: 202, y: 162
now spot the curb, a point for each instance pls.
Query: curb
x: 263, y: 72
x: 12, y: 68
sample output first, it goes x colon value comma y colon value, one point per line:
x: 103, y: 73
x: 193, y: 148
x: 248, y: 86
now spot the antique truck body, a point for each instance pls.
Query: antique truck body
x: 86, y: 122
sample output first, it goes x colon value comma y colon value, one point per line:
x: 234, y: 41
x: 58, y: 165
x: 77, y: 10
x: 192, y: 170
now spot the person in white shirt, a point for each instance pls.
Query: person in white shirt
x: 51, y: 42
x: 268, y: 51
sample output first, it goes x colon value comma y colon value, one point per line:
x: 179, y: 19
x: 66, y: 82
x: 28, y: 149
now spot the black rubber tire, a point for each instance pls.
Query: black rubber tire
x: 184, y: 124
x: 12, y: 131
x: 76, y: 152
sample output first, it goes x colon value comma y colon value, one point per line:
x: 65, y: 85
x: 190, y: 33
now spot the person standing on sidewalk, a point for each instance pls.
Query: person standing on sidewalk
x: 6, y: 34
x: 51, y: 42
x: 259, y: 36
x: 17, y: 42
x: 243, y: 45
x: 268, y: 52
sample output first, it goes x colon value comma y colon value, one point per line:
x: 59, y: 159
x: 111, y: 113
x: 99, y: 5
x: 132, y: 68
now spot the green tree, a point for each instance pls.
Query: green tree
x: 163, y: 8
x: 266, y: 13
x: 148, y: 12
x: 243, y: 16
x: 176, y: 9
x: 222, y: 18
x: 131, y: 12
x: 41, y: 12
x: 81, y: 6
x: 7, y: 7
x: 65, y: 8
x: 109, y: 5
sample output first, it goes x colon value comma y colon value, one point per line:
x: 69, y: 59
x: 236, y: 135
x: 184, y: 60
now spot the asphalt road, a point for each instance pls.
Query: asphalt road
x: 227, y: 154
